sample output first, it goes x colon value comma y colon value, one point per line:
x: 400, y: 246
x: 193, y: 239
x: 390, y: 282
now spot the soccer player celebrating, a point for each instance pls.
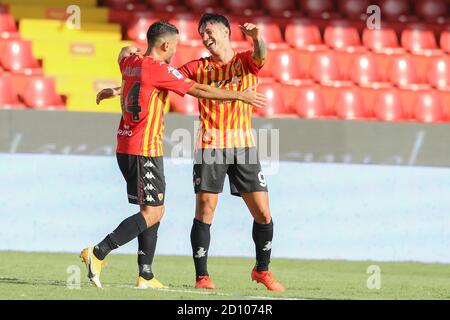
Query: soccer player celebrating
x: 226, y: 133
x: 146, y: 80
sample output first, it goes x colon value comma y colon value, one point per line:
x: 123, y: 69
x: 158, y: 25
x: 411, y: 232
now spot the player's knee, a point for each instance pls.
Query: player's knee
x: 152, y: 214
x: 263, y: 217
x: 205, y: 210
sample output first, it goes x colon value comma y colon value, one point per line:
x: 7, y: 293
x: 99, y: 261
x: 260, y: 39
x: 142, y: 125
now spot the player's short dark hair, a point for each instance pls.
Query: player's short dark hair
x: 214, y: 18
x: 159, y: 29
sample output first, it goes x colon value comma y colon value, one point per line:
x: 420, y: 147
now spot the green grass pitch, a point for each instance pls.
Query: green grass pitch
x: 44, y: 276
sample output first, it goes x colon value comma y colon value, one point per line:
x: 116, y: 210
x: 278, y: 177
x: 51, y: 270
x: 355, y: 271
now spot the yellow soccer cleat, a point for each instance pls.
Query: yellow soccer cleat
x: 94, y: 266
x: 153, y: 283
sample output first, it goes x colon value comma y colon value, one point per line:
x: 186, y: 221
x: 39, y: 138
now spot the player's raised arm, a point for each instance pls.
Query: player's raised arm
x: 127, y: 51
x: 108, y: 93
x: 259, y: 47
x: 248, y: 96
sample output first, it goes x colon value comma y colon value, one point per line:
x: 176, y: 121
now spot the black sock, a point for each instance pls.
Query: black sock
x: 262, y: 236
x: 200, y: 239
x: 127, y: 230
x: 147, y: 245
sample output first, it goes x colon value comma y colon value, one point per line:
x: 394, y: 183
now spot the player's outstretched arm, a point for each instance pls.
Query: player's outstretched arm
x: 108, y: 93
x: 259, y: 47
x: 250, y: 95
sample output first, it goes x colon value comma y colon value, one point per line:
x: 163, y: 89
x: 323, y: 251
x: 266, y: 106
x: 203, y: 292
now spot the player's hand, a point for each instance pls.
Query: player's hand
x: 105, y: 94
x: 250, y: 30
x: 257, y: 99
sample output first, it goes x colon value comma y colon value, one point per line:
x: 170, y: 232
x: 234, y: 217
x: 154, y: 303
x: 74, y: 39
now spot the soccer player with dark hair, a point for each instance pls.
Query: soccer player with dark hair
x: 146, y: 80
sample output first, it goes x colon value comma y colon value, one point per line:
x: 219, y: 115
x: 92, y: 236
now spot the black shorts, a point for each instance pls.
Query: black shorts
x: 241, y: 164
x: 145, y: 178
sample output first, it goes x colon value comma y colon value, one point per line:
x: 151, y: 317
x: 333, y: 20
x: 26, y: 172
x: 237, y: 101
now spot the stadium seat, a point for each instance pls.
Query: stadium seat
x: 341, y: 34
x: 353, y: 9
x: 445, y: 40
x: 377, y: 39
x: 160, y: 4
x: 16, y: 56
x: 310, y: 103
x: 138, y: 27
x: 364, y: 71
x: 40, y: 93
x: 285, y: 66
x: 439, y: 72
x: 301, y: 33
x: 8, y: 98
x: 275, y: 101
x: 200, y: 5
x: 317, y: 8
x: 418, y: 37
x: 402, y: 72
x: 187, y: 26
x: 277, y: 7
x: 238, y: 6
x: 325, y: 68
x: 394, y: 10
x: 389, y: 106
x: 432, y: 10
x: 350, y: 105
x: 185, y: 105
x: 429, y: 107
x: 8, y: 28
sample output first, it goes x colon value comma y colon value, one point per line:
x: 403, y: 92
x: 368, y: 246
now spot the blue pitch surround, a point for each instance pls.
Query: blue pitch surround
x: 321, y: 211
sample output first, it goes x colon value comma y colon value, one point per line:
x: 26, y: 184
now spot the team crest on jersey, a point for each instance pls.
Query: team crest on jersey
x: 238, y: 64
x: 210, y: 67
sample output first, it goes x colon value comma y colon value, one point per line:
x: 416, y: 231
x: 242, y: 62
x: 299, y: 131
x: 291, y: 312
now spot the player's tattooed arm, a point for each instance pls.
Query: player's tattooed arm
x: 128, y: 51
x: 259, y: 47
x: 108, y: 93
x: 249, y: 95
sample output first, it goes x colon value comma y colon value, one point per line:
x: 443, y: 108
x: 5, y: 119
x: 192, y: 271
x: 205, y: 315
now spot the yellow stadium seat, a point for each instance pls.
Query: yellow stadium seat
x: 88, y: 13
x: 84, y: 84
x: 36, y: 29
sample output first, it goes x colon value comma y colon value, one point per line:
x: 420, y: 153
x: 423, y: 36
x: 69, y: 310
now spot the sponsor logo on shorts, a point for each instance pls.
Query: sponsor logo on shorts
x: 149, y: 175
x: 149, y: 198
x: 149, y: 187
x: 149, y: 164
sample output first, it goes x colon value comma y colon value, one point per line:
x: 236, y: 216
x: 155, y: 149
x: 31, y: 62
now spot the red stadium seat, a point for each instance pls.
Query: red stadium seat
x: 431, y: 10
x: 317, y: 8
x: 354, y: 9
x: 389, y: 106
x: 200, y: 5
x: 186, y: 105
x: 275, y: 7
x: 8, y: 28
x: 40, y: 93
x: 16, y: 56
x: 341, y: 34
x: 439, y: 72
x: 138, y: 27
x: 160, y: 4
x: 8, y: 98
x: 402, y: 72
x: 445, y: 40
x: 393, y: 10
x: 350, y: 105
x: 377, y: 39
x: 429, y: 107
x: 310, y: 103
x: 417, y: 38
x: 238, y: 6
x: 365, y: 71
x: 285, y: 66
x: 301, y: 33
x: 275, y: 99
x: 325, y: 68
x: 188, y: 29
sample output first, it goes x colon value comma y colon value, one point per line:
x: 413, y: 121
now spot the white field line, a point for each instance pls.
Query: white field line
x: 223, y: 294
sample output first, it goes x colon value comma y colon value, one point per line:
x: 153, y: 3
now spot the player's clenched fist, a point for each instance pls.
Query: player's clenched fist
x: 250, y: 30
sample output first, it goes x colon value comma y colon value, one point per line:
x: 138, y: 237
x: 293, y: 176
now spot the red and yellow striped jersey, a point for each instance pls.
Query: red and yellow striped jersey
x: 224, y: 124
x: 145, y: 86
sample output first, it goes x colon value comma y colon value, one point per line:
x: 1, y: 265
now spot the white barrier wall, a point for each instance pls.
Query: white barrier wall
x: 321, y: 211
